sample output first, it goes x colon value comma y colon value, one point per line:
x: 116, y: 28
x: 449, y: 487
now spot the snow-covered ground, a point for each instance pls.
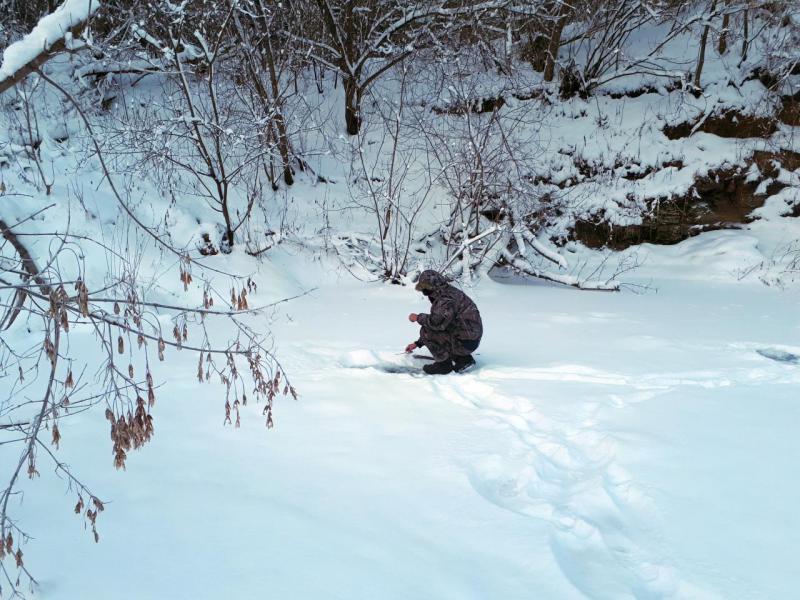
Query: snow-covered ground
x: 608, y: 445
x: 639, y: 444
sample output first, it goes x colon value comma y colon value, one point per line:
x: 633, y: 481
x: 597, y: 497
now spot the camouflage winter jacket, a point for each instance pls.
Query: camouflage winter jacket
x: 451, y: 309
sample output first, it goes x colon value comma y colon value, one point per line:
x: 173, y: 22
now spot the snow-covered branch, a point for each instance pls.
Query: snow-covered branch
x: 526, y: 267
x: 53, y: 34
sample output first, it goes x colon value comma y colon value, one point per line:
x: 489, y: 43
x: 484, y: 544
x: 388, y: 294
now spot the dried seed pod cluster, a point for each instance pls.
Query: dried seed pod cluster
x: 130, y: 431
x: 208, y: 300
x: 239, y: 300
x: 83, y: 298
x: 185, y: 276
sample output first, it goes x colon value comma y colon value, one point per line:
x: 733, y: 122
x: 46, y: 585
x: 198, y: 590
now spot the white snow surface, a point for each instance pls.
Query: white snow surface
x: 47, y: 32
x: 607, y: 446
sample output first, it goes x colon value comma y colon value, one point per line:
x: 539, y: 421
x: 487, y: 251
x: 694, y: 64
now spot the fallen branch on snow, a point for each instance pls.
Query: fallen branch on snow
x: 524, y: 266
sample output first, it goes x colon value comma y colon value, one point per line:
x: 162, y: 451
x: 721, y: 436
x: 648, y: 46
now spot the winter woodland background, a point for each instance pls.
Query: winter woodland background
x: 204, y: 206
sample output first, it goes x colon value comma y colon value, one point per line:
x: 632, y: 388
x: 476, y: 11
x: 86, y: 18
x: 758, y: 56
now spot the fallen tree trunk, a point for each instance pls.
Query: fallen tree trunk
x: 52, y: 34
x: 522, y: 265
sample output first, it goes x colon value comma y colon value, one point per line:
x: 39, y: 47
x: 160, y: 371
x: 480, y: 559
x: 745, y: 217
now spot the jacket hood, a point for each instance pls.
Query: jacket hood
x: 430, y: 280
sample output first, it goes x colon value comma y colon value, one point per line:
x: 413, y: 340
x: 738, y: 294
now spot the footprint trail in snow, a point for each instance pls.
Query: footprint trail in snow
x: 564, y: 471
x: 559, y: 464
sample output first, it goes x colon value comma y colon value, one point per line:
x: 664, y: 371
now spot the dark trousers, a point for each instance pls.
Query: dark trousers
x: 446, y: 345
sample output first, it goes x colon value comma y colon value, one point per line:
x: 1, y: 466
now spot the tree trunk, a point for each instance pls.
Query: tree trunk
x: 227, y: 240
x: 352, y: 106
x: 280, y: 124
x: 554, y: 44
x: 273, y: 105
x: 701, y: 59
x: 745, y: 35
x: 283, y: 148
x: 536, y: 50
x: 723, y: 37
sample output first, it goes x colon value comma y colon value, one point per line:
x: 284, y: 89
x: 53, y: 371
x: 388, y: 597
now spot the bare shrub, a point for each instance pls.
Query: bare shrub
x: 46, y: 382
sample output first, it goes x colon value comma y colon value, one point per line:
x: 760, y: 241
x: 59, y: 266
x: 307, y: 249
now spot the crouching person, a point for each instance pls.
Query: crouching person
x: 452, y: 330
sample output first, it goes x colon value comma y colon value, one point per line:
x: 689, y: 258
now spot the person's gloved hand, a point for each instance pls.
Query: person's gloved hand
x: 411, y: 347
x: 412, y: 317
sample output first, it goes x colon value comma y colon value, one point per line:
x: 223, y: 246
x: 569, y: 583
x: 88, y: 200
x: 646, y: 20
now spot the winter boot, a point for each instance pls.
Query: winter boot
x: 442, y: 367
x: 462, y: 363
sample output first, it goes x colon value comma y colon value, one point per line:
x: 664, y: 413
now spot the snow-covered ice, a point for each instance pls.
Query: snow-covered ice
x: 608, y: 446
